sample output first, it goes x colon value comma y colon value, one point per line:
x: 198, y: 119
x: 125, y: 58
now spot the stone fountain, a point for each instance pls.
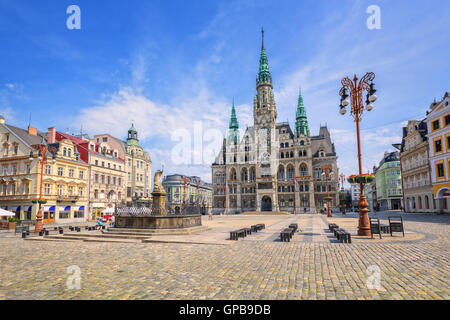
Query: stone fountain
x: 157, y: 217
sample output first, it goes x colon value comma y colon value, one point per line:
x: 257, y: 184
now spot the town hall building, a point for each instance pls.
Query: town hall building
x: 272, y: 168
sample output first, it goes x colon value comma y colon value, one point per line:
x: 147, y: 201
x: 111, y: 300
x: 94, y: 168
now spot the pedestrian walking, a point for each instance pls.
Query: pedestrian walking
x: 210, y: 214
x: 112, y: 221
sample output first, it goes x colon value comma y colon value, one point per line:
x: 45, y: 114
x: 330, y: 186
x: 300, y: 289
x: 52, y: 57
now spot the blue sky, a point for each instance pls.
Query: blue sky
x: 166, y: 64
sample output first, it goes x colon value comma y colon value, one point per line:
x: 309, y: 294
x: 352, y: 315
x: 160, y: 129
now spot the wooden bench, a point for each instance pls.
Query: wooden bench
x: 332, y: 226
x: 236, y: 234
x: 343, y: 236
x: 396, y: 225
x: 247, y: 230
x: 375, y: 226
x: 294, y: 226
x: 286, y: 234
x: 254, y: 228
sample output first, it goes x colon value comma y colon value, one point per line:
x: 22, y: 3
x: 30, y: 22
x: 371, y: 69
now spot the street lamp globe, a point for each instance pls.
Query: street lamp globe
x: 342, y: 111
x: 369, y: 107
x: 372, y: 96
x: 31, y: 156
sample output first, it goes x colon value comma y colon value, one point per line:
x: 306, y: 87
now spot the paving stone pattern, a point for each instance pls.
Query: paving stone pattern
x: 312, y: 266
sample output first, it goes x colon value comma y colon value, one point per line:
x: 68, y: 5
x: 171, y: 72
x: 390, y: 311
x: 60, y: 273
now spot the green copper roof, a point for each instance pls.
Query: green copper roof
x: 233, y: 121
x: 233, y: 134
x: 132, y: 139
x: 264, y: 73
x: 301, y: 125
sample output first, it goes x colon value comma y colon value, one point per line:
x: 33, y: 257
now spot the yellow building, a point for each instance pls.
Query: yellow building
x: 438, y: 122
x: 64, y: 180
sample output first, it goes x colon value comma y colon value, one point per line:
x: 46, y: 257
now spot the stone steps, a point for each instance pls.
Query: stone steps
x: 156, y: 232
x: 108, y: 235
x: 90, y: 239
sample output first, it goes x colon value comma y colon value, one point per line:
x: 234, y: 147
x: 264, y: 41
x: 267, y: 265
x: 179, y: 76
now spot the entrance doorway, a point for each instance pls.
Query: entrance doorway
x: 266, y: 203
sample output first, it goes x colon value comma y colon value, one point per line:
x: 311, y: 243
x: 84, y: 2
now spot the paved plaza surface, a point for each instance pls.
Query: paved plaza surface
x: 209, y: 266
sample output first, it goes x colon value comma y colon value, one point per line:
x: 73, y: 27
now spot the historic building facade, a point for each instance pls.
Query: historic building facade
x: 273, y: 168
x: 389, y: 182
x: 138, y: 166
x: 64, y: 176
x: 191, y: 190
x: 415, y: 168
x: 438, y: 124
x: 107, y: 176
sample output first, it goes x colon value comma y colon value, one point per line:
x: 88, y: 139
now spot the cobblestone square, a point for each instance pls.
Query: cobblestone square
x: 312, y: 266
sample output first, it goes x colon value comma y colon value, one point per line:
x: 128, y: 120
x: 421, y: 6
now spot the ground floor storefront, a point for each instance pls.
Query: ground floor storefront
x: 51, y: 211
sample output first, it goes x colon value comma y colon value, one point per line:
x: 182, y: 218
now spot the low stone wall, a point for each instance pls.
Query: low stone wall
x: 174, y: 221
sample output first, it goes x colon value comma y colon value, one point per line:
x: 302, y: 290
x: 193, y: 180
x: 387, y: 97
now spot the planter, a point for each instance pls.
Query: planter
x: 11, y: 225
x: 364, y: 178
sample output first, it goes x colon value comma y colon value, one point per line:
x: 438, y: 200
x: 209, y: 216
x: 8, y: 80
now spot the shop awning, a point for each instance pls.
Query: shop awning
x: 30, y: 208
x: 5, y: 213
x: 81, y: 208
x: 16, y: 208
x: 62, y: 208
x: 49, y: 208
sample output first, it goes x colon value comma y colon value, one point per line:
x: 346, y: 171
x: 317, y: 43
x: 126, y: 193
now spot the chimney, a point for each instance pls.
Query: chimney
x: 51, y: 135
x: 32, y: 131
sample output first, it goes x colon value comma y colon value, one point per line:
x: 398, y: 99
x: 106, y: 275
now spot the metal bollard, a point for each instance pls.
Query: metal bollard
x: 24, y: 234
x: 61, y: 231
x: 41, y: 233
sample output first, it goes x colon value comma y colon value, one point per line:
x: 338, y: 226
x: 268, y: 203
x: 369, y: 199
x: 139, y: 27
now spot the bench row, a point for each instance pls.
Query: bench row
x: 242, y: 233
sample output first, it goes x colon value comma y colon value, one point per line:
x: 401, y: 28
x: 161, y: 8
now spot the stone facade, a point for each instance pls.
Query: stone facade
x: 438, y: 125
x: 189, y: 190
x: 273, y: 168
x: 138, y: 166
x: 64, y: 176
x: 416, y: 174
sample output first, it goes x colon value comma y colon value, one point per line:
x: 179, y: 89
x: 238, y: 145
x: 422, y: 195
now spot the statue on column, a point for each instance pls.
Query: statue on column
x: 159, y: 195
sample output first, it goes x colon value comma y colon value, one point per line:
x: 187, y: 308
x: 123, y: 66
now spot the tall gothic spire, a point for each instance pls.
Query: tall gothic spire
x: 264, y: 73
x: 233, y: 132
x: 233, y: 120
x: 301, y: 125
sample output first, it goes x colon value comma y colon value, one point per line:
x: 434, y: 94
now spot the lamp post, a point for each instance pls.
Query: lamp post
x: 327, y: 173
x: 42, y: 157
x: 342, y: 191
x: 357, y: 108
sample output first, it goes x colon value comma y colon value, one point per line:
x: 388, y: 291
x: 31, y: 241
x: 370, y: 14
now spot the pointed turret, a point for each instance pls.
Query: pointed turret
x: 301, y: 125
x: 233, y: 120
x: 233, y: 135
x: 264, y: 73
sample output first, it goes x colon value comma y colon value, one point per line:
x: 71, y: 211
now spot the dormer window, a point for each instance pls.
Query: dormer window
x: 69, y: 152
x: 65, y: 152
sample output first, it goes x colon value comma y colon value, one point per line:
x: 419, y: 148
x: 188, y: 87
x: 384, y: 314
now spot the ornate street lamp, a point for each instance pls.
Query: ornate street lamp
x: 355, y: 90
x: 42, y: 157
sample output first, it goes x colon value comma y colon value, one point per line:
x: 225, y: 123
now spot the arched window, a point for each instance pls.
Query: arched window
x: 252, y: 174
x: 292, y: 154
x: 282, y: 155
x: 290, y: 172
x: 302, y: 143
x: 286, y: 145
x: 303, y: 170
x: 282, y: 145
x: 427, y: 202
x: 281, y: 172
x: 244, y: 174
x: 233, y: 174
